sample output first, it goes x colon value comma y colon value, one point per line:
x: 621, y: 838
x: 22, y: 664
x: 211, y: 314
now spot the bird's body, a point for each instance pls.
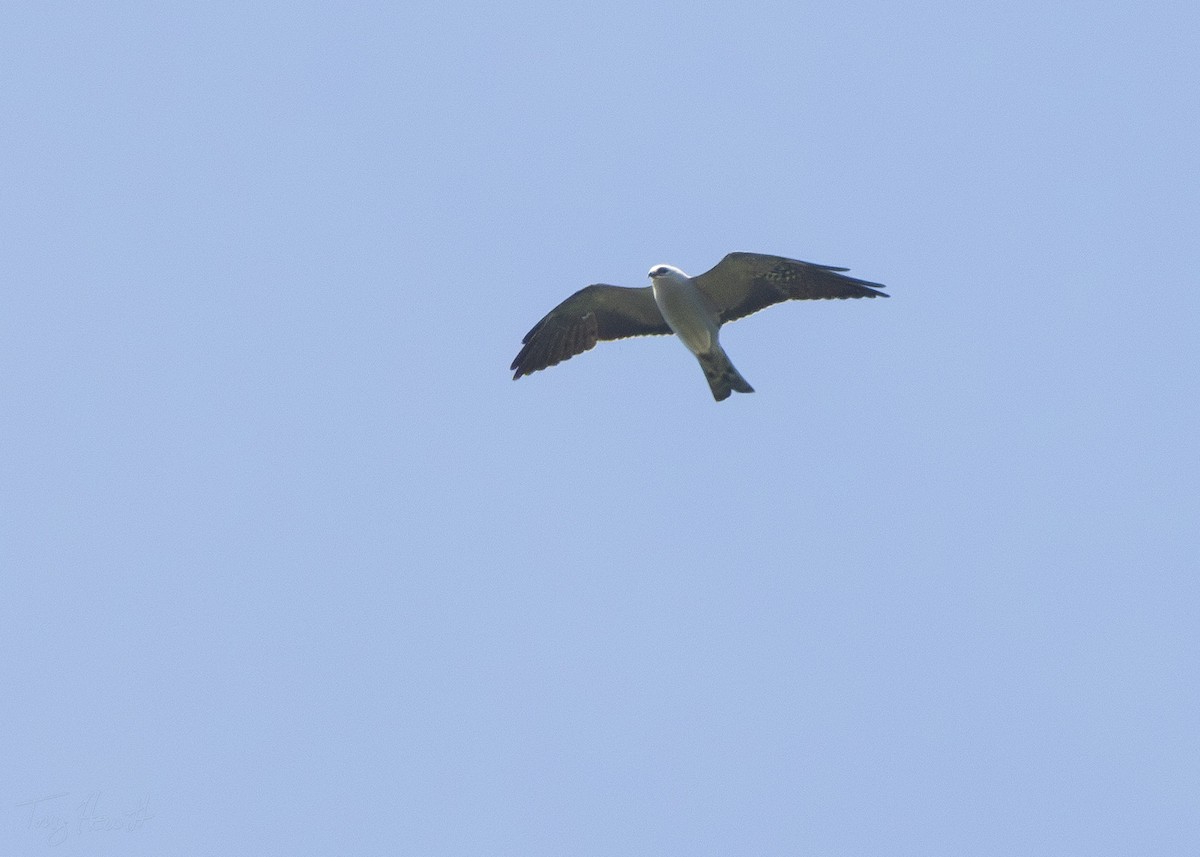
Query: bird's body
x: 686, y: 310
x: 692, y: 317
x: 693, y: 308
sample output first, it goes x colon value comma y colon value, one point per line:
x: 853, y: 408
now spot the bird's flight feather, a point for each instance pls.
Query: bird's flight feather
x: 592, y: 314
x: 744, y: 283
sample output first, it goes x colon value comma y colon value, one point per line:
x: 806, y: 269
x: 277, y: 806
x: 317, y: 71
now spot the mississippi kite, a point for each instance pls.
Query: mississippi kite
x: 693, y: 308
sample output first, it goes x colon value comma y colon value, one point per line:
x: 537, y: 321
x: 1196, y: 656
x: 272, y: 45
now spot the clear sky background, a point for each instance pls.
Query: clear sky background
x: 291, y: 566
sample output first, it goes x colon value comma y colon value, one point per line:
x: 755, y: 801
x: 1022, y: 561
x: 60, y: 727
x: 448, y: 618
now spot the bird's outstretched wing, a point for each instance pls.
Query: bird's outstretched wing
x: 743, y: 283
x: 590, y: 315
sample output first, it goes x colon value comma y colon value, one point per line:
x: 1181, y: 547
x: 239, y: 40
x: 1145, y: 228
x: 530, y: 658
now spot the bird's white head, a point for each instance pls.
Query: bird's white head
x: 670, y: 272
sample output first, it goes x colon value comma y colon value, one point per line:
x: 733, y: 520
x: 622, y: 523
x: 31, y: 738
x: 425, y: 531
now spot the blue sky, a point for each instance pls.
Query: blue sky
x: 292, y: 566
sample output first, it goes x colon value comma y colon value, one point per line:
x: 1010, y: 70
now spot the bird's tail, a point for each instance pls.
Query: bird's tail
x: 721, y: 375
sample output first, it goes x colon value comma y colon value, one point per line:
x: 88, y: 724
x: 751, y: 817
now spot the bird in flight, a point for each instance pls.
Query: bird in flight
x: 693, y: 308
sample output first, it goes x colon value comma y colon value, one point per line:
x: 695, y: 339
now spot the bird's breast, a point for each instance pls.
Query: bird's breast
x: 687, y: 312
